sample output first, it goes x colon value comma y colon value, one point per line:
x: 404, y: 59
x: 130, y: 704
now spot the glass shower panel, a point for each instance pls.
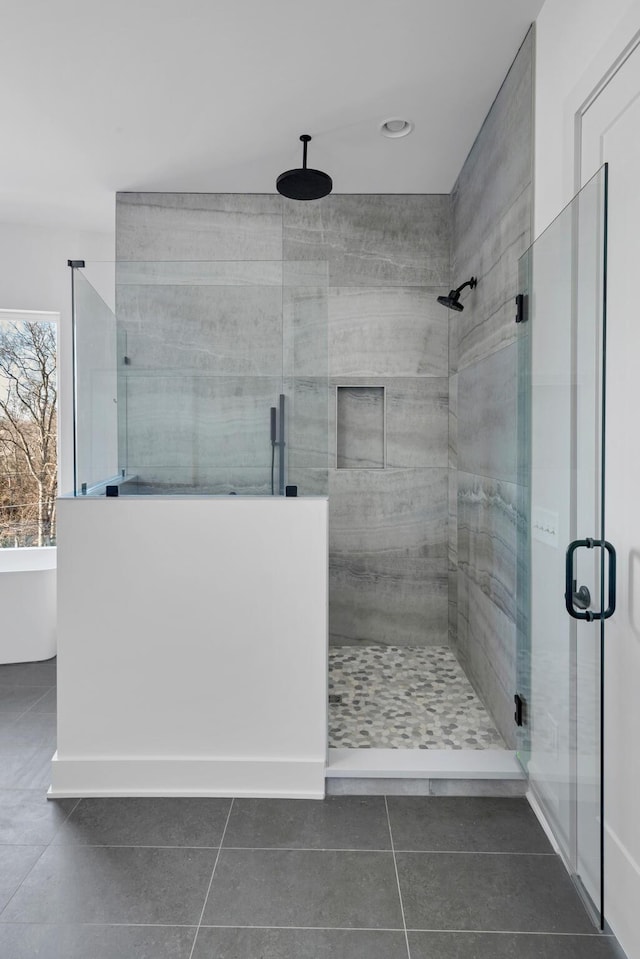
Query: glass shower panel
x: 306, y: 372
x: 211, y: 378
x: 203, y: 369
x: 561, y: 422
x: 95, y: 388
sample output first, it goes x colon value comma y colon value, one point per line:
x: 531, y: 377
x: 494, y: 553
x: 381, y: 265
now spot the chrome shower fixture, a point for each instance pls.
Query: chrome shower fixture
x: 304, y: 183
x: 452, y: 300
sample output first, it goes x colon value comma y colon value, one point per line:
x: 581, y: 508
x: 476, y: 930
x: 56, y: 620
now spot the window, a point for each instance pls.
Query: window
x: 28, y: 429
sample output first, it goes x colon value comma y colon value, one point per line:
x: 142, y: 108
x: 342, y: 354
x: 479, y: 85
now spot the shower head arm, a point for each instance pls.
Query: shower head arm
x: 473, y: 282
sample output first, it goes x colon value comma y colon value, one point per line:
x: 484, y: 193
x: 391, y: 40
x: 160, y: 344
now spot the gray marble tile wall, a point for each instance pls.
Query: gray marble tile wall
x: 366, y: 268
x: 388, y: 260
x: 491, y: 207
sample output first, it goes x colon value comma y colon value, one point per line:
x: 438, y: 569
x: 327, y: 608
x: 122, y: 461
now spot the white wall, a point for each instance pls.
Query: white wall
x: 578, y: 42
x: 34, y: 276
x: 192, y: 646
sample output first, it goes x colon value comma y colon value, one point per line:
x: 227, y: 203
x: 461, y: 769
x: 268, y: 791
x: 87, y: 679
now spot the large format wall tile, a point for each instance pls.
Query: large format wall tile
x: 307, y: 404
x: 388, y: 564
x: 417, y: 421
x: 373, y: 240
x: 198, y: 226
x: 500, y: 162
x: 387, y: 513
x: 395, y: 601
x: 387, y: 332
x: 453, y: 421
x: 488, y: 321
x: 310, y: 482
x: 487, y: 415
x: 486, y: 648
x: 305, y: 320
x: 202, y: 480
x: 199, y: 422
x: 489, y: 521
x: 233, y: 330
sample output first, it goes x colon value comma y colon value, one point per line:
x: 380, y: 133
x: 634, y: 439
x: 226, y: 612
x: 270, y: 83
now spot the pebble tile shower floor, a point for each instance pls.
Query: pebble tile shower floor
x: 404, y: 697
x: 349, y: 878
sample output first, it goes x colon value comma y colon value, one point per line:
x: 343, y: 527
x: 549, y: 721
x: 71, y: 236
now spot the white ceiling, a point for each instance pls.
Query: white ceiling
x: 211, y: 95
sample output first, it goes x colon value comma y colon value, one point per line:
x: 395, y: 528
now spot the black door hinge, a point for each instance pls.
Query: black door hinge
x: 519, y: 713
x: 522, y: 313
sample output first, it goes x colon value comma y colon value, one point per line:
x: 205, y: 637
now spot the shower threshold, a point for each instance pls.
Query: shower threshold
x: 432, y: 772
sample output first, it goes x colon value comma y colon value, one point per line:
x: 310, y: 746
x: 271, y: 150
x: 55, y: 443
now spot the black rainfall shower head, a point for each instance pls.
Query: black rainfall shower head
x: 452, y: 300
x: 304, y: 183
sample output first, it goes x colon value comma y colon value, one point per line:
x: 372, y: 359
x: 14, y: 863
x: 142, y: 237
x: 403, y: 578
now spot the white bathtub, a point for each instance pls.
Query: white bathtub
x: 27, y: 604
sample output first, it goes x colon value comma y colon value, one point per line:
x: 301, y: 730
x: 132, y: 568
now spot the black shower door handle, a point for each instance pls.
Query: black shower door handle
x: 571, y: 595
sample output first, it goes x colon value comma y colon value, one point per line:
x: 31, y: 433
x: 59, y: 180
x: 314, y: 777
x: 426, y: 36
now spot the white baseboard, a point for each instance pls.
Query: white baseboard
x: 622, y: 893
x: 540, y: 816
x: 277, y: 779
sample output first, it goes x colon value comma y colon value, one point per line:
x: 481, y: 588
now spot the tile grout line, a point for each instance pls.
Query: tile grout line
x: 395, y: 866
x: 34, y: 703
x: 455, y: 932
x: 410, y: 852
x: 48, y: 712
x: 206, y: 898
x: 46, y: 846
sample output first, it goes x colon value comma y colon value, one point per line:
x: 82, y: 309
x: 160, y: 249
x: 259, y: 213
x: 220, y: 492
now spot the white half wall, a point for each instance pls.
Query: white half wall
x: 192, y: 647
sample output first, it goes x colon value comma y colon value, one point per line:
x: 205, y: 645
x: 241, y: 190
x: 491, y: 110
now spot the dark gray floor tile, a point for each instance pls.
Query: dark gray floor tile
x: 493, y: 945
x: 42, y: 673
x: 47, y: 703
x: 340, y: 822
x: 146, y: 822
x: 7, y: 720
x: 15, y: 863
x: 26, y: 767
x: 17, y: 699
x: 32, y: 729
x: 465, y: 824
x: 319, y: 889
x: 27, y: 816
x: 106, y: 884
x: 489, y: 892
x: 298, y: 944
x: 46, y: 941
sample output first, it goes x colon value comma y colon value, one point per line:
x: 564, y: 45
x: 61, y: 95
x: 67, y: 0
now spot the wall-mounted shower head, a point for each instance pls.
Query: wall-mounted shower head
x: 452, y: 300
x: 304, y: 183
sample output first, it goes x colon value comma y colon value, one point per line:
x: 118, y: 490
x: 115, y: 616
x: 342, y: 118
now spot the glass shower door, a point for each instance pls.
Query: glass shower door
x: 566, y: 568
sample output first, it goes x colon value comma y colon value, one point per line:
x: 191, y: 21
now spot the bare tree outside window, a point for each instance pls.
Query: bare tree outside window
x: 28, y: 433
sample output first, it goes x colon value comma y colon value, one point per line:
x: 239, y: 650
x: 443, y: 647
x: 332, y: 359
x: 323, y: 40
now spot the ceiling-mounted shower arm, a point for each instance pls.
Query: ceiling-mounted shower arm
x: 305, y: 139
x: 304, y: 183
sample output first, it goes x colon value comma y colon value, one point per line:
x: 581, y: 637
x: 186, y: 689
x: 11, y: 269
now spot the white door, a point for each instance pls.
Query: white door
x: 611, y: 134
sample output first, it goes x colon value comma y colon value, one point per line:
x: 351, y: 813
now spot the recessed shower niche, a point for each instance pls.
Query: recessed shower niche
x: 360, y: 427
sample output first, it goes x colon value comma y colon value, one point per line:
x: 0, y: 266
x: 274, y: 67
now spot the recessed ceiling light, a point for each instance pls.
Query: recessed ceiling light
x: 396, y: 127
